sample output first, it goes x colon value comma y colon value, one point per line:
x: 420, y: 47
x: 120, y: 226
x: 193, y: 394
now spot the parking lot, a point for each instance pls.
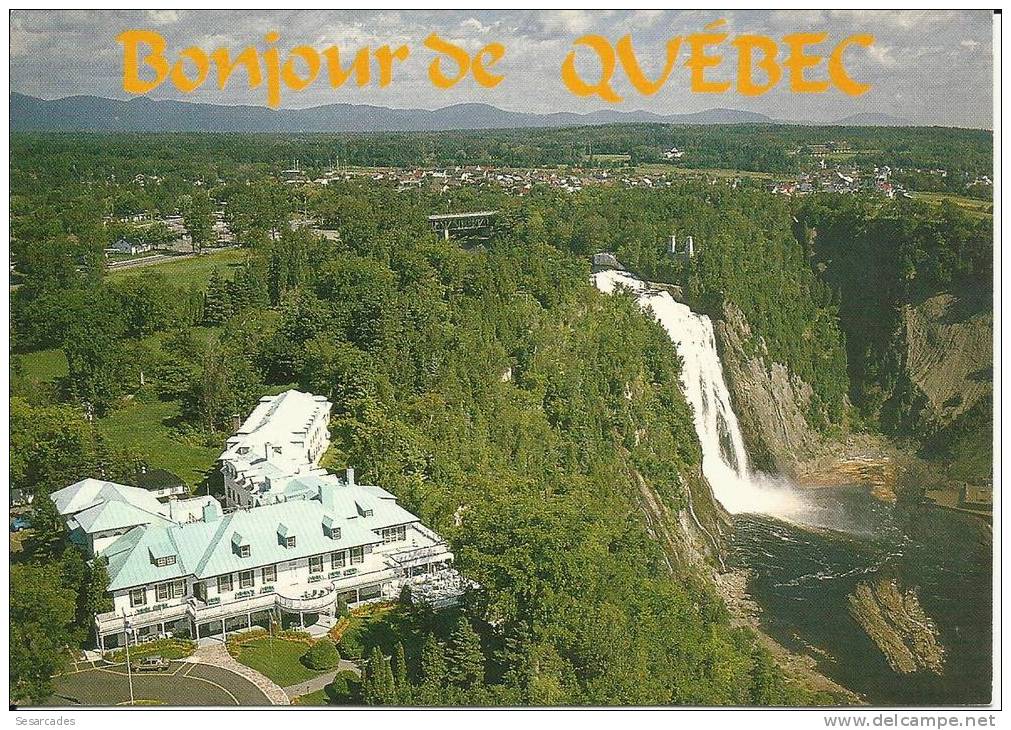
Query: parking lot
x: 183, y: 684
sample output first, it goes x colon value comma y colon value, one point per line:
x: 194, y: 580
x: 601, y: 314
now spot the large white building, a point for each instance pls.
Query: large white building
x: 282, y: 439
x: 189, y: 567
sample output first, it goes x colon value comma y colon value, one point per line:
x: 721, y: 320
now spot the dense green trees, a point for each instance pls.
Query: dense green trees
x: 42, y: 611
x: 491, y: 388
x: 877, y: 259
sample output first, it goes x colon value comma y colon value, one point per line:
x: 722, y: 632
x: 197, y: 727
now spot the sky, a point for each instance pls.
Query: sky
x: 932, y: 67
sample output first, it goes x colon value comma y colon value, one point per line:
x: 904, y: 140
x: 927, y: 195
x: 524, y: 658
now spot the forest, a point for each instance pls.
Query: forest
x: 964, y: 154
x: 486, y: 384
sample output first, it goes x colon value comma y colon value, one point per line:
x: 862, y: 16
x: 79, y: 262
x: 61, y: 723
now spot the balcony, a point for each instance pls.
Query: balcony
x: 113, y: 622
x: 214, y: 609
x: 314, y: 600
x: 418, y: 556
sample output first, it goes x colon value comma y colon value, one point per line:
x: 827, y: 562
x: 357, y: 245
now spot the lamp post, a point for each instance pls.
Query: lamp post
x: 126, y: 638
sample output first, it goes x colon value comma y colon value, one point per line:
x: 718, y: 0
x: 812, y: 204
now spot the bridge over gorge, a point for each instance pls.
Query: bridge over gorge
x: 446, y: 223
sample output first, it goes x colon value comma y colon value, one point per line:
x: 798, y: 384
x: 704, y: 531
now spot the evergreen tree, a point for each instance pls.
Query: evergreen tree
x: 398, y: 667
x: 464, y: 660
x: 377, y: 683
x: 217, y: 300
x: 433, y: 663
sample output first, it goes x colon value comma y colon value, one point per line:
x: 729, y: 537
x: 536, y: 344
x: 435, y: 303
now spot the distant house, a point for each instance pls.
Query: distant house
x: 20, y: 498
x: 130, y: 248
x: 160, y: 482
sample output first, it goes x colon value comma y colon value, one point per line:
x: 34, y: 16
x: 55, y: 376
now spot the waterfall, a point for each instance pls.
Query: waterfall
x: 724, y: 456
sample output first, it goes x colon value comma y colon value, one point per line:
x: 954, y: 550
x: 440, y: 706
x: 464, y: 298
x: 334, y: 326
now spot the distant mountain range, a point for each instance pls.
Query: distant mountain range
x: 141, y: 114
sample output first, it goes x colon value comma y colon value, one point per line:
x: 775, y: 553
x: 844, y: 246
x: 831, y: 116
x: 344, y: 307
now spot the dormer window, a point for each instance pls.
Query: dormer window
x: 284, y: 536
x: 331, y: 529
x: 240, y: 546
x: 162, y: 554
x: 243, y: 450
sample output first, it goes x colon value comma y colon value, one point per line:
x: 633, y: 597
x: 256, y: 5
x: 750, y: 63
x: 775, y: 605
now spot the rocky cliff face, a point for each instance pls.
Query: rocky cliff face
x: 769, y: 400
x: 948, y: 356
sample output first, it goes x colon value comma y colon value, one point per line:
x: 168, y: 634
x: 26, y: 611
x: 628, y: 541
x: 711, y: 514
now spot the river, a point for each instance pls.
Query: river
x: 807, y: 549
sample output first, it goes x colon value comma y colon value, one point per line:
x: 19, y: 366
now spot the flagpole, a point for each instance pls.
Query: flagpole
x: 126, y: 637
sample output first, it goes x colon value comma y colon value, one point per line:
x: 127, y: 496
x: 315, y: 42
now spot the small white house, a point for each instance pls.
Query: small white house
x: 130, y: 248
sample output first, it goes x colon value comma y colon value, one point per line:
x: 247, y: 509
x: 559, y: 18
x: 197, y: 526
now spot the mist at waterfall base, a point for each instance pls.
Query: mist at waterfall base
x: 806, y: 550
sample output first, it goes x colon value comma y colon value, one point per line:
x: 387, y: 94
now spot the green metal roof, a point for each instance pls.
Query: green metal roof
x: 204, y: 547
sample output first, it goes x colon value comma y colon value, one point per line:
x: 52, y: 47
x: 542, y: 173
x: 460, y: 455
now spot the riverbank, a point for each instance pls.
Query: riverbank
x: 801, y: 668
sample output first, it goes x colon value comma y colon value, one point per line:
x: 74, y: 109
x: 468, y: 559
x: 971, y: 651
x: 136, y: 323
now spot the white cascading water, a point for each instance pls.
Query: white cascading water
x: 724, y: 456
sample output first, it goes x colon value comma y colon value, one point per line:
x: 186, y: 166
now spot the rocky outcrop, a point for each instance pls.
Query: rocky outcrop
x: 771, y: 402
x: 894, y: 620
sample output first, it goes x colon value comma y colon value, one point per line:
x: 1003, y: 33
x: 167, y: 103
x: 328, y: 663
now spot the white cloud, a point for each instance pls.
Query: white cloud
x: 163, y: 17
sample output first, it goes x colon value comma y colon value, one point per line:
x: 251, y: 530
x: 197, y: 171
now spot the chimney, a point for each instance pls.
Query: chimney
x: 266, y: 451
x: 349, y: 476
x: 211, y: 511
x: 673, y: 244
x: 236, y: 422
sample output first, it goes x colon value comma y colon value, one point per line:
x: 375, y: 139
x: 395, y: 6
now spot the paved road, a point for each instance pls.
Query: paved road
x: 162, y: 258
x: 217, y: 656
x: 321, y: 681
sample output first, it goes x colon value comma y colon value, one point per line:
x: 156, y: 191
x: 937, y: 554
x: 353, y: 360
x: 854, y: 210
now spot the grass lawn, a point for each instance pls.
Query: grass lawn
x: 43, y: 366
x: 313, y: 699
x: 189, y: 271
x: 145, y: 428
x: 278, y: 659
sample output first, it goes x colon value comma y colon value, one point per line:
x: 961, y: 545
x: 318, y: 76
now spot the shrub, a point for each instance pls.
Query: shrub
x: 322, y: 655
x: 350, y: 645
x: 344, y: 689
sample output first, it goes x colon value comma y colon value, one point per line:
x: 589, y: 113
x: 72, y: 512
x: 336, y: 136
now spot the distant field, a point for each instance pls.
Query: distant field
x: 146, y: 429
x: 658, y: 168
x: 972, y: 205
x: 189, y: 271
x: 44, y: 366
x: 607, y: 158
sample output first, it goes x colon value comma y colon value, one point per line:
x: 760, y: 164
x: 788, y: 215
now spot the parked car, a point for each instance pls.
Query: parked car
x: 20, y: 523
x: 154, y: 663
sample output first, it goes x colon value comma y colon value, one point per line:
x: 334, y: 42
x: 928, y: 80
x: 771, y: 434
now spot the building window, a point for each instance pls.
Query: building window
x: 289, y: 542
x: 269, y: 574
x: 316, y: 564
x: 168, y: 591
x: 393, y: 534
x: 138, y: 597
x: 334, y: 533
x: 244, y: 551
x: 165, y: 560
x: 337, y: 560
x: 225, y: 583
x: 246, y: 579
x: 200, y: 590
x: 357, y: 555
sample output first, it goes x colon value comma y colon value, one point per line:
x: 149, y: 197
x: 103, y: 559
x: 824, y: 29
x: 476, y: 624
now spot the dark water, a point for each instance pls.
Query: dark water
x: 803, y: 576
